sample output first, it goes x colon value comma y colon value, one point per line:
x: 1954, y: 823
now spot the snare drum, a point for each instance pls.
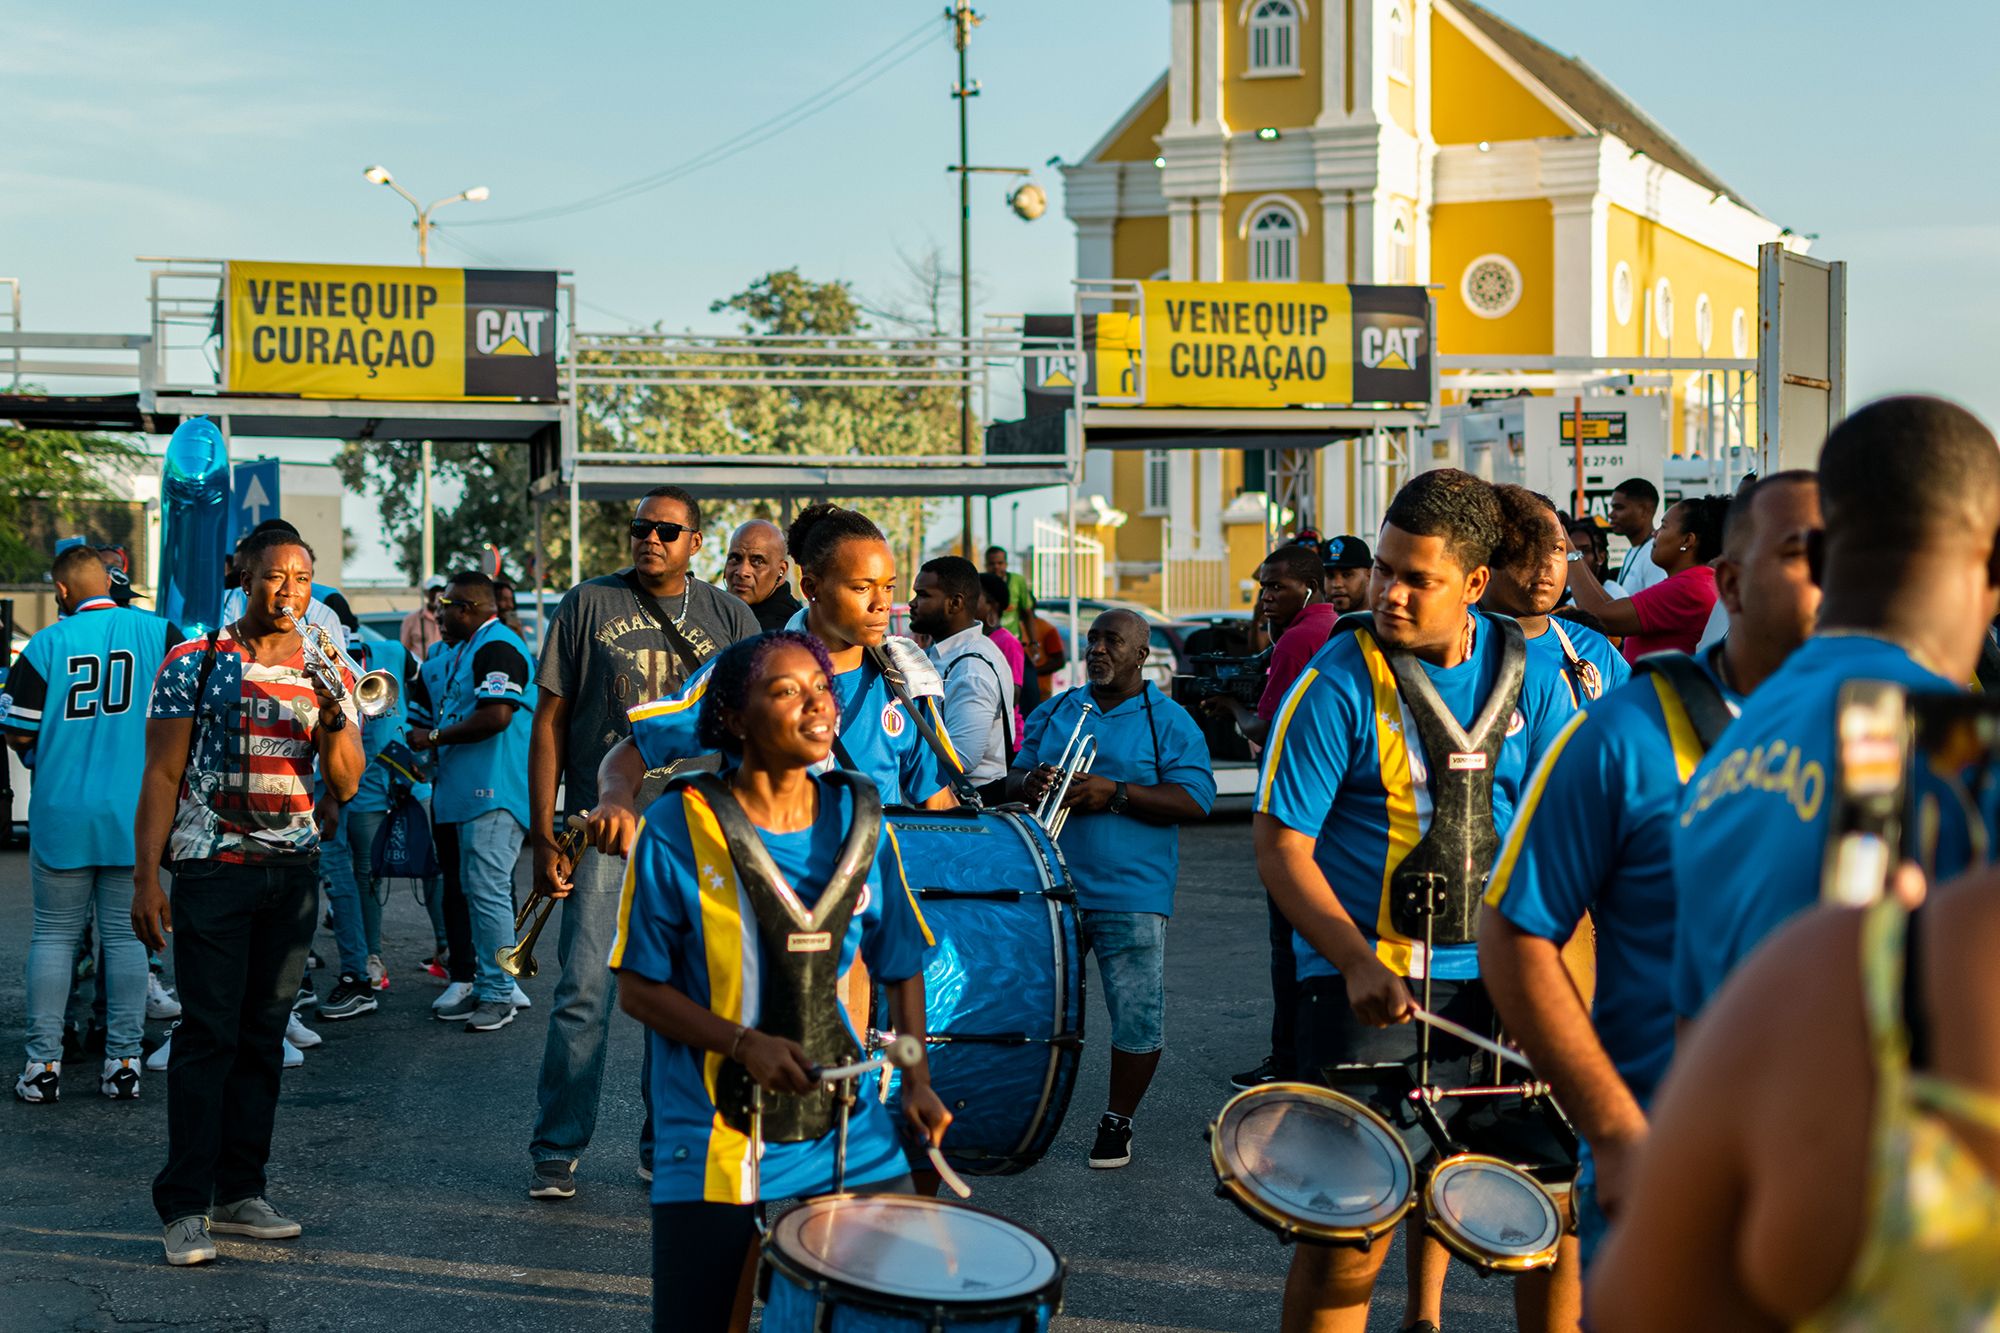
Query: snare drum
x: 1492, y: 1214
x: 1311, y: 1164
x: 1003, y: 989
x: 896, y: 1263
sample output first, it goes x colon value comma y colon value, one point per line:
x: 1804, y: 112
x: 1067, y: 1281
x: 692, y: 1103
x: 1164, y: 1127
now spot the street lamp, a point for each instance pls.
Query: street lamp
x: 379, y: 175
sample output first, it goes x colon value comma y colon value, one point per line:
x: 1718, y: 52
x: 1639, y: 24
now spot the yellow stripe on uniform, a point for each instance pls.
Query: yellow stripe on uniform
x: 673, y: 704
x: 727, y: 1177
x: 1510, y: 852
x: 623, y: 933
x: 1276, y: 746
x: 1680, y: 730
x: 903, y: 879
x: 1399, y: 785
x: 944, y: 737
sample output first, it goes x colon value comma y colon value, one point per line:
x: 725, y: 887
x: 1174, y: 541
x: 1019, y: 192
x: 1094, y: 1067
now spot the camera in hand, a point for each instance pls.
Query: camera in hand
x: 1223, y: 675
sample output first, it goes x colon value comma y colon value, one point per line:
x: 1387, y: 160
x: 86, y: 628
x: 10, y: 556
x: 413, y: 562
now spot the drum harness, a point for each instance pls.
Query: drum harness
x: 911, y: 676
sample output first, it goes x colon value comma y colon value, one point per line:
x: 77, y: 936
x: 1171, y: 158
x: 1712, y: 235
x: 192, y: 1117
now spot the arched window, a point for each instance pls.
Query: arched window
x: 1399, y: 42
x: 1274, y: 246
x: 1400, y: 267
x: 1704, y: 323
x: 1274, y: 37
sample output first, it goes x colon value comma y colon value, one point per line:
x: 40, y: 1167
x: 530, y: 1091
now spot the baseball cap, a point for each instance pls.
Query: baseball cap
x: 435, y: 583
x: 1346, y: 553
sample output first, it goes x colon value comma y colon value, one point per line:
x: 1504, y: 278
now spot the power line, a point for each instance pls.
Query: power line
x: 896, y: 53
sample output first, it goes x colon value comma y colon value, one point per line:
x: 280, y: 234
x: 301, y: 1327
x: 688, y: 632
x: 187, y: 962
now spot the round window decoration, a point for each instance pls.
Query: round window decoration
x: 1739, y: 333
x: 1663, y: 308
x: 1704, y: 322
x: 1621, y: 293
x: 1491, y: 286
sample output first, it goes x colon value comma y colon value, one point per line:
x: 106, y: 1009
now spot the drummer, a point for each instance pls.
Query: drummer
x: 1595, y: 835
x: 689, y: 960
x: 1345, y: 796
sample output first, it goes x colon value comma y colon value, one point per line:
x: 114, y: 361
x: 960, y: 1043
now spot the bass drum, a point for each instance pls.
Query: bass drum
x: 1003, y: 987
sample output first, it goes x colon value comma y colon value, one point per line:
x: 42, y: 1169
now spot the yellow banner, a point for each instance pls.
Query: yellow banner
x: 1247, y: 344
x: 346, y: 331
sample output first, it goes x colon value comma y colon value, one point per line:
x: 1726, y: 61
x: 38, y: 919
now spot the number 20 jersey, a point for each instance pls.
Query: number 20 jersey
x: 80, y: 689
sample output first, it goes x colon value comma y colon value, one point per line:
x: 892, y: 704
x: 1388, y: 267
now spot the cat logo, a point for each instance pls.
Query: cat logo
x: 506, y: 332
x: 1391, y: 348
x: 1058, y: 372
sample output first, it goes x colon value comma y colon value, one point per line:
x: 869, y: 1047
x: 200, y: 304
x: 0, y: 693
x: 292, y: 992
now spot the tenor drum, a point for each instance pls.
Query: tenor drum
x: 896, y: 1263
x: 1311, y: 1164
x: 1004, y: 986
x: 1492, y: 1214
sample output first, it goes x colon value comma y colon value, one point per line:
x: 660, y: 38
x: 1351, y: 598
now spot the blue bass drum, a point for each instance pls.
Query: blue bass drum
x: 1003, y: 987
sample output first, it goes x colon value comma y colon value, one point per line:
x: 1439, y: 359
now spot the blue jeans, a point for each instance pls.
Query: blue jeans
x: 347, y: 863
x: 488, y: 847
x: 580, y: 1019
x: 63, y: 902
x: 1131, y: 949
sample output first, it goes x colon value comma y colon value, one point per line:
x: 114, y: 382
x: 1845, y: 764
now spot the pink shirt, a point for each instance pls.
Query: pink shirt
x: 1017, y: 662
x: 1306, y: 635
x: 1672, y: 614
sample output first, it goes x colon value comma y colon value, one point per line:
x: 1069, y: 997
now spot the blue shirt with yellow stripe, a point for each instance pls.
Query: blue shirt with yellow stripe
x: 684, y: 921
x: 1595, y: 834
x: 1607, y: 664
x: 875, y: 730
x: 1343, y: 764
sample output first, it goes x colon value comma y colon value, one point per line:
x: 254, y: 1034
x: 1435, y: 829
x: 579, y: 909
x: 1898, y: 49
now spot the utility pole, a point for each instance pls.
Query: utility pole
x: 963, y: 20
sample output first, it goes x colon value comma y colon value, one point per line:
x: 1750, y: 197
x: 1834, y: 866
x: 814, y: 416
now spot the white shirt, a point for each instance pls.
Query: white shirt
x: 1639, y: 571
x: 1718, y: 625
x: 978, y: 703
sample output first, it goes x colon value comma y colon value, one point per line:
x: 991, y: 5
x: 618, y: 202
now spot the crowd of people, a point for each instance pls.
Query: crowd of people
x: 1501, y: 790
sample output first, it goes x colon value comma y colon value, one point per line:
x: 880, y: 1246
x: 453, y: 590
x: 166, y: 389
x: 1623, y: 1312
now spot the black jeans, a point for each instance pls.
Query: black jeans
x: 1284, y: 993
x: 460, y: 961
x: 240, y: 936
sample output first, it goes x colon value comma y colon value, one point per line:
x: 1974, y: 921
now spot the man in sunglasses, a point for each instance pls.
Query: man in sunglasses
x: 613, y: 643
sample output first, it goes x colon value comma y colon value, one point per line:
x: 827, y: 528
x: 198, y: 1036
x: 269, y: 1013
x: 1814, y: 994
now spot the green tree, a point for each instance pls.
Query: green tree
x: 53, y: 481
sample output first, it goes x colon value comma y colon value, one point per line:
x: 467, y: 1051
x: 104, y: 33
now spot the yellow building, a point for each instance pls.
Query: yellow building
x: 1398, y: 141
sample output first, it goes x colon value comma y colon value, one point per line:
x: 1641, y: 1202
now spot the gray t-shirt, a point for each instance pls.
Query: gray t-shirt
x: 606, y: 653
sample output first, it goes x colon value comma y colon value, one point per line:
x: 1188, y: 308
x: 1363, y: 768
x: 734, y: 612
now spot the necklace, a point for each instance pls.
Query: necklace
x: 687, y: 594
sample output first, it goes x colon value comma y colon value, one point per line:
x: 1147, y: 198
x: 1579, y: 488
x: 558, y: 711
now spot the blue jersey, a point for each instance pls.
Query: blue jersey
x: 455, y: 680
x: 1595, y: 834
x: 1341, y: 766
x: 390, y: 656
x: 684, y: 921
x: 1753, y: 822
x: 1122, y: 863
x: 875, y: 731
x: 80, y: 688
x: 1597, y: 662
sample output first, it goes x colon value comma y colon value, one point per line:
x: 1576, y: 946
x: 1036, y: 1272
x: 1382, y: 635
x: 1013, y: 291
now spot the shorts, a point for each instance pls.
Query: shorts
x: 1131, y: 949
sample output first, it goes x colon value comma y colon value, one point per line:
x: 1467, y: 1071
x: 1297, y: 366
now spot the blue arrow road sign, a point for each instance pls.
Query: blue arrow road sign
x: 256, y: 496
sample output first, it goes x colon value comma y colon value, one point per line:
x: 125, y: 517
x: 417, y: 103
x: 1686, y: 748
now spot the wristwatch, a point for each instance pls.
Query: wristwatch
x: 434, y: 736
x: 335, y: 722
x: 1117, y: 806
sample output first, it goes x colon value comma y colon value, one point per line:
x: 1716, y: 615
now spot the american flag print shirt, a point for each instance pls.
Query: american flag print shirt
x: 247, y: 794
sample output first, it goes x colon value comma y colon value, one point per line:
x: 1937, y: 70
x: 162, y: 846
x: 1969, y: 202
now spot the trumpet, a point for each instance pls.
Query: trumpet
x: 1077, y: 757
x: 518, y: 960
x: 375, y: 692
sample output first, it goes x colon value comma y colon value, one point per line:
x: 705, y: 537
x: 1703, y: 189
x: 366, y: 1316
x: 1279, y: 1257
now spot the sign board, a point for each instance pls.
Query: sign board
x: 1801, y: 356
x: 1622, y: 438
x: 403, y: 334
x: 255, y: 495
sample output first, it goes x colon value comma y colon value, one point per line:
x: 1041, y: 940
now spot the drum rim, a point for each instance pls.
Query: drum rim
x: 1458, y: 1245
x: 1285, y: 1224
x: 1048, y: 1295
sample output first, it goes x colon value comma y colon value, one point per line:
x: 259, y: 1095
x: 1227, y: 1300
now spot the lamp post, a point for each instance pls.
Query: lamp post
x: 379, y: 175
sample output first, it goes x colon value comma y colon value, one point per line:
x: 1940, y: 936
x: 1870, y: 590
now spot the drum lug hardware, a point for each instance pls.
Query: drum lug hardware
x: 1425, y: 893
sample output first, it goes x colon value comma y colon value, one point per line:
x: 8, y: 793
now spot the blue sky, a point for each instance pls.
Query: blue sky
x: 240, y: 130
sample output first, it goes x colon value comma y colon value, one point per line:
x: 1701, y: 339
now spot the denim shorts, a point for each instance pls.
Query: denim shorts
x: 1131, y: 949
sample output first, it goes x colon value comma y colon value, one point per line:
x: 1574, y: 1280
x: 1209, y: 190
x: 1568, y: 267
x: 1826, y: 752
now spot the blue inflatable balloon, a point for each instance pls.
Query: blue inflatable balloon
x: 194, y: 506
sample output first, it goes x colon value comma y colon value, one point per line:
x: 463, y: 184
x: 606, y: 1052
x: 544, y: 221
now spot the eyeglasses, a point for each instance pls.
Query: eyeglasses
x: 447, y: 603
x: 668, y: 533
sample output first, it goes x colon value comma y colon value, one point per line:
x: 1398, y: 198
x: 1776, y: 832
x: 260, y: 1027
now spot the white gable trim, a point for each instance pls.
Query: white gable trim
x: 1243, y: 10
x: 1264, y: 201
x: 1536, y: 88
x: 1131, y: 116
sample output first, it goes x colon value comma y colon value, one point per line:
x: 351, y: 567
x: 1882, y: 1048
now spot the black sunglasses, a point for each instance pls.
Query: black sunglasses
x: 666, y: 532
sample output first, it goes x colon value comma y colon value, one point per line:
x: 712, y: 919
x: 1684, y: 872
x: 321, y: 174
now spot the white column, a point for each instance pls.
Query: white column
x: 1212, y: 501
x: 1180, y: 500
x: 1371, y: 81
x: 1093, y: 247
x: 1180, y: 83
x: 1180, y: 239
x: 1333, y: 235
x: 1332, y: 62
x: 1208, y: 41
x: 1208, y: 242
x: 1370, y: 213
x: 1581, y: 301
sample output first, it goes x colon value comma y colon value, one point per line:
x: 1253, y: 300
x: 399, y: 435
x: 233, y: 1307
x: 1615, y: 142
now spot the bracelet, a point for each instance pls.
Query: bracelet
x: 741, y: 1032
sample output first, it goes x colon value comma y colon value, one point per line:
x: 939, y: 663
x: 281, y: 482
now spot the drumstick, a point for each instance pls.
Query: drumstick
x: 950, y: 1177
x: 1466, y: 1034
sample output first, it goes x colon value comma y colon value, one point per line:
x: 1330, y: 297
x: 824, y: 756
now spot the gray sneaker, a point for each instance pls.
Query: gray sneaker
x: 252, y: 1217
x: 490, y: 1016
x: 555, y: 1178
x: 466, y: 1006
x: 188, y: 1242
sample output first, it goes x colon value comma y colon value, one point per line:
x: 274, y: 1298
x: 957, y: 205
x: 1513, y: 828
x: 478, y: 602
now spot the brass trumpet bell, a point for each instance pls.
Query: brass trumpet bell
x: 377, y: 693
x: 518, y: 960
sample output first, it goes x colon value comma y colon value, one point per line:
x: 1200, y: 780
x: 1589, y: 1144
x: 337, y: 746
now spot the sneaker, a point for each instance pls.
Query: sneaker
x: 519, y: 999
x: 305, y: 999
x: 1113, y: 1145
x: 253, y: 1217
x: 157, y: 1061
x: 554, y: 1179
x: 488, y: 1016
x: 160, y: 1002
x: 452, y: 996
x: 460, y: 1011
x: 301, y: 1036
x: 120, y: 1081
x: 351, y: 997
x: 378, y: 974
x: 294, y: 1057
x: 434, y: 968
x: 313, y: 961
x: 1268, y: 1072
x: 40, y: 1082
x: 188, y: 1242
x: 645, y: 1173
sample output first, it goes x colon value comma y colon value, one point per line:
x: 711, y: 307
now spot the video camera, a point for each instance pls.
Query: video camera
x: 1224, y: 675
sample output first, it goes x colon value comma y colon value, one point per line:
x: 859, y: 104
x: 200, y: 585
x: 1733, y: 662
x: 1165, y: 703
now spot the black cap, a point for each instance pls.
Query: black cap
x: 1346, y: 553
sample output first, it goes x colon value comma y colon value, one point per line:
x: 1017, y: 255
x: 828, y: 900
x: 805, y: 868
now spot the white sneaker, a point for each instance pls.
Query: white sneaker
x: 298, y: 1034
x: 451, y: 996
x: 40, y: 1082
x: 294, y: 1057
x: 520, y: 999
x: 120, y: 1081
x: 378, y: 974
x: 160, y: 1002
x: 157, y: 1061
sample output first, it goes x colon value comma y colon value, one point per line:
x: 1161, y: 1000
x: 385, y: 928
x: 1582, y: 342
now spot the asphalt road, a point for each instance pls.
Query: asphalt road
x: 401, y: 1145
